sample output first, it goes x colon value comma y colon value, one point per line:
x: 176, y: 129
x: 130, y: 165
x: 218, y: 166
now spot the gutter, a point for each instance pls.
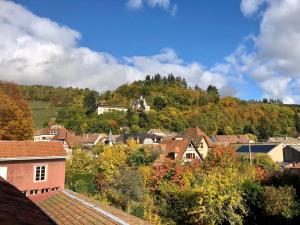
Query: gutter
x: 94, y: 207
x: 32, y: 158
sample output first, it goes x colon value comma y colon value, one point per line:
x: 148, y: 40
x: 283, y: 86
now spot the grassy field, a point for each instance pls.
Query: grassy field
x: 42, y: 112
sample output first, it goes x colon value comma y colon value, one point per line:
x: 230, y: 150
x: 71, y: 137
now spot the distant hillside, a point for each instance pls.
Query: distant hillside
x: 46, y: 101
x: 176, y: 106
x: 42, y: 112
x: 57, y: 96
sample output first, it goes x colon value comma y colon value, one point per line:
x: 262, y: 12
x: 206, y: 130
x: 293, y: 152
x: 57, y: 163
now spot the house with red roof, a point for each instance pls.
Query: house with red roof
x: 35, y: 168
x: 227, y: 140
x: 179, y: 150
x: 202, y: 142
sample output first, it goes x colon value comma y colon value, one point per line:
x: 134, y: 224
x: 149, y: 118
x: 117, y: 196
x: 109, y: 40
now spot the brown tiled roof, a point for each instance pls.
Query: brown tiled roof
x: 67, y: 207
x: 16, y: 208
x: 46, y: 131
x: 196, y: 135
x: 89, y: 138
x: 233, y: 139
x: 177, y: 146
x: 285, y: 140
x: 62, y: 134
x: 31, y: 149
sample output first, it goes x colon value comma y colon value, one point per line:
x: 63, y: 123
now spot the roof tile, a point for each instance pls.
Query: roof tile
x: 27, y: 149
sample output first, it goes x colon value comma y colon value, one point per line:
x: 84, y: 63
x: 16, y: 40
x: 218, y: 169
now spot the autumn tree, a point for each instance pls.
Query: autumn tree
x: 15, y: 115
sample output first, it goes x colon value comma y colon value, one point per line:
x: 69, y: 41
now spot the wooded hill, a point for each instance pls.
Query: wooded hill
x: 174, y: 106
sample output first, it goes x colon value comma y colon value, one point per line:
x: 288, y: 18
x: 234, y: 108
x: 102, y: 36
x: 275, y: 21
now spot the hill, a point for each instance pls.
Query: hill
x: 46, y: 101
x: 175, y: 106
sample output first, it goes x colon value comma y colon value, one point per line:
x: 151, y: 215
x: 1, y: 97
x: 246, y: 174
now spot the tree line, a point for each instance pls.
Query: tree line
x: 175, y: 106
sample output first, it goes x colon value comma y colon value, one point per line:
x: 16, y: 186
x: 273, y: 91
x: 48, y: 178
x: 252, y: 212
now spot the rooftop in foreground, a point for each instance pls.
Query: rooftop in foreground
x: 67, y: 207
x: 16, y: 208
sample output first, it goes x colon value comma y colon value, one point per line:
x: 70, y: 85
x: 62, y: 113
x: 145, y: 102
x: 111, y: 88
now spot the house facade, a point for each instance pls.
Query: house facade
x: 291, y: 153
x: 45, y: 134
x: 104, y: 108
x: 202, y: 142
x: 141, y: 138
x: 179, y: 150
x: 36, y: 168
x: 141, y: 105
x: 274, y: 150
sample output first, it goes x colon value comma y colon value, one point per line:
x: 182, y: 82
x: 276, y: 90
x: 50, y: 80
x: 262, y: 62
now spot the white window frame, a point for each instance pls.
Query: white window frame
x: 3, y: 172
x: 34, y: 192
x: 34, y: 173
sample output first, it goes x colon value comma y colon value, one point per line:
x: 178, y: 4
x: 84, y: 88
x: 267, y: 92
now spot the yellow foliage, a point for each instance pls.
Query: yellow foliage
x: 149, y: 212
x: 132, y: 145
x: 147, y: 174
x: 110, y: 160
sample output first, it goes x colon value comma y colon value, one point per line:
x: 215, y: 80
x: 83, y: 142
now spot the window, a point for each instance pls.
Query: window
x: 55, y: 189
x: 201, y: 145
x: 172, y: 155
x: 24, y: 193
x: 190, y: 155
x: 45, y: 190
x: 40, y: 173
x: 33, y: 192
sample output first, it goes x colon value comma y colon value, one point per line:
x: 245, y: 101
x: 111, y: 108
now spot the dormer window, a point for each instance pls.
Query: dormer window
x: 172, y: 155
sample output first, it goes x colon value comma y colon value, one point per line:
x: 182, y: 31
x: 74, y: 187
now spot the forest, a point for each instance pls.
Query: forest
x: 174, y: 106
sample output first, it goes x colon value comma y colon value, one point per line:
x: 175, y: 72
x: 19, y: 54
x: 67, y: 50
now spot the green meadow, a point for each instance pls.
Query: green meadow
x: 42, y: 112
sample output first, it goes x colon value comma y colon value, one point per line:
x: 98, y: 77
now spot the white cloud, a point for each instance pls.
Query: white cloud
x: 164, y: 4
x: 249, y: 7
x: 273, y: 61
x: 35, y: 50
x: 135, y: 4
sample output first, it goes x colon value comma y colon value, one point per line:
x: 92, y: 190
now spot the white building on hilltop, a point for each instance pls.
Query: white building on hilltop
x: 103, y: 108
x: 141, y: 105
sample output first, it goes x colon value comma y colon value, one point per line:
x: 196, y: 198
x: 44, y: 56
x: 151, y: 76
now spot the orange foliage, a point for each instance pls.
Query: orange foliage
x: 15, y: 115
x: 260, y: 173
x: 221, y: 156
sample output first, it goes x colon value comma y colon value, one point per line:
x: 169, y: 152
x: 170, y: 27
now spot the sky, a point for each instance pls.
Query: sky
x: 247, y: 48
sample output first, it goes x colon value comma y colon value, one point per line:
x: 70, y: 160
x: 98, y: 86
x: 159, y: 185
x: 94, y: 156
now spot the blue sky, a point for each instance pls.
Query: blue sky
x: 199, y: 31
x: 247, y: 48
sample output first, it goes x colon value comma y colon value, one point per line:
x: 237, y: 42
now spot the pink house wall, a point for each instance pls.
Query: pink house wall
x: 21, y: 175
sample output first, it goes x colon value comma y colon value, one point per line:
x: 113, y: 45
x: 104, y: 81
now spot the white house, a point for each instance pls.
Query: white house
x: 141, y: 105
x: 110, y: 108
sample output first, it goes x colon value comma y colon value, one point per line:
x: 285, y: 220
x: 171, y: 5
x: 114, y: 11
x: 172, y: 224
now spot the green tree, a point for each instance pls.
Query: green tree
x: 280, y: 202
x: 159, y: 103
x: 90, y: 102
x: 213, y: 93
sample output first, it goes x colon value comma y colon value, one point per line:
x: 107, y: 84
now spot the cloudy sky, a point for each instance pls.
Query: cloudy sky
x: 247, y: 48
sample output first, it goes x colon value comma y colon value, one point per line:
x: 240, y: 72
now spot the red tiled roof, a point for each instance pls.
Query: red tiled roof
x: 233, y: 139
x: 16, y: 208
x: 31, y: 149
x: 177, y: 146
x: 196, y: 135
x: 67, y: 207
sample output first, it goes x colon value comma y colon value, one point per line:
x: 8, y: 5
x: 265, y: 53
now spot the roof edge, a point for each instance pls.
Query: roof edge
x: 32, y: 158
